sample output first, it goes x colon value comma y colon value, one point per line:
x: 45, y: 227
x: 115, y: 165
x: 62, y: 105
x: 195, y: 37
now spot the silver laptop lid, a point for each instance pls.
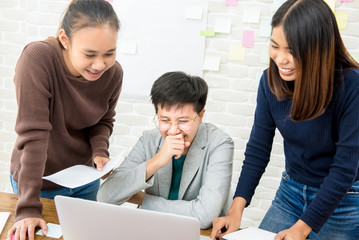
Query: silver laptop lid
x: 89, y: 220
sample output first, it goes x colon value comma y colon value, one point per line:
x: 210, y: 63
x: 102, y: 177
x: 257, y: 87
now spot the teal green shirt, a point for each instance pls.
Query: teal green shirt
x: 177, y: 167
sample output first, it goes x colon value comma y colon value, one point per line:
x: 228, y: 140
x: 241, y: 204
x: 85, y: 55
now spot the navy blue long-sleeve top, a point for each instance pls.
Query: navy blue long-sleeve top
x: 322, y: 152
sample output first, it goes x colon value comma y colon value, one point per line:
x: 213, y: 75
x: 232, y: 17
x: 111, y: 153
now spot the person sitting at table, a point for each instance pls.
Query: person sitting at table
x: 184, y: 166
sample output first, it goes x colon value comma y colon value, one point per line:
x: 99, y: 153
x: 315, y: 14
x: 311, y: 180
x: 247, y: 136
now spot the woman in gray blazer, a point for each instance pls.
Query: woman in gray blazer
x: 184, y: 166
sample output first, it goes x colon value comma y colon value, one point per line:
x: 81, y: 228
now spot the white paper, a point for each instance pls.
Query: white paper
x: 251, y: 14
x: 194, y: 11
x: 223, y: 25
x: 250, y: 233
x: 127, y: 46
x: 265, y: 28
x: 53, y: 231
x: 3, y: 219
x: 80, y: 175
x: 165, y: 41
x: 211, y: 63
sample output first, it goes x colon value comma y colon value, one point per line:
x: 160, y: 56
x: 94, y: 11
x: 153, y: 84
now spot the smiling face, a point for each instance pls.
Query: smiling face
x: 173, y: 114
x: 281, y: 54
x: 91, y: 51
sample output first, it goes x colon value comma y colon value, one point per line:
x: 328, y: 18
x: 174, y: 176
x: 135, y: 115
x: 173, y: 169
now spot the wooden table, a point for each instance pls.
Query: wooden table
x: 8, y: 204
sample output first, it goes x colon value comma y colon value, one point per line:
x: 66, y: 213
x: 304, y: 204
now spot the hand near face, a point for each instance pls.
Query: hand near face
x: 173, y: 146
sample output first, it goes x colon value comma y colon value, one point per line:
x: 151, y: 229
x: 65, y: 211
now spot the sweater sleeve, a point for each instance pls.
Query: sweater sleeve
x: 32, y: 126
x: 343, y: 170
x: 100, y: 133
x: 259, y: 146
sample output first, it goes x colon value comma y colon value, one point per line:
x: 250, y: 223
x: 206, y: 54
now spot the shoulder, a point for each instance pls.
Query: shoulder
x: 152, y: 135
x: 113, y: 76
x: 42, y: 50
x: 351, y: 81
x: 216, y: 135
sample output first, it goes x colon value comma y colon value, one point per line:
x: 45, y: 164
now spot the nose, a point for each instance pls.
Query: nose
x: 282, y: 58
x: 99, y: 64
x: 173, y: 130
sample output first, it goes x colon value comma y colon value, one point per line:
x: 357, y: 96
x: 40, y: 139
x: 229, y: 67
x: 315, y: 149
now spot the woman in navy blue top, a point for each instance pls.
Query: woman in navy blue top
x: 310, y: 93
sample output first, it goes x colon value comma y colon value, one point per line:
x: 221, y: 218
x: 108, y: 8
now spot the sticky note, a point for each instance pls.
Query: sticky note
x: 194, y: 11
x: 231, y: 2
x: 223, y: 25
x: 248, y: 38
x: 342, y: 20
x: 127, y: 46
x: 251, y: 14
x: 208, y: 33
x: 265, y: 28
x: 211, y: 63
x: 53, y: 231
x: 236, y: 52
x: 355, y: 56
x: 277, y: 4
x: 265, y: 56
x: 331, y: 4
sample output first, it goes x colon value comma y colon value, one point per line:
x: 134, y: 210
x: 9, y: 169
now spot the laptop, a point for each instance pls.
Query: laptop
x: 89, y: 220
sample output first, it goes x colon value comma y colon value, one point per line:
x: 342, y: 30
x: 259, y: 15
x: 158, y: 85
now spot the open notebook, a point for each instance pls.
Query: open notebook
x: 89, y: 220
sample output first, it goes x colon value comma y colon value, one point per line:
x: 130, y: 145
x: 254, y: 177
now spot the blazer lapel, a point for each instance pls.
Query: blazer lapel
x: 164, y: 177
x: 193, y: 160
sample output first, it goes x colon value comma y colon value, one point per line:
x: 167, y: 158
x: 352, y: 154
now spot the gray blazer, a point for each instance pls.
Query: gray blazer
x: 205, y: 182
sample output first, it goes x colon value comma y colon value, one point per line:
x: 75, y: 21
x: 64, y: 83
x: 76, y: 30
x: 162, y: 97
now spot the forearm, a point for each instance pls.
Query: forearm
x: 237, y: 207
x: 123, y: 183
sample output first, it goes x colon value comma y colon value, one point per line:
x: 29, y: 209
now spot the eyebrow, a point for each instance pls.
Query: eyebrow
x: 93, y: 51
x: 164, y: 116
x: 277, y: 43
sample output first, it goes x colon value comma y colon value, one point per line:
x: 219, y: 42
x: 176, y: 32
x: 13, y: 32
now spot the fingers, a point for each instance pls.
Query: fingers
x: 44, y: 227
x: 280, y: 236
x: 100, y: 162
x: 10, y: 233
x: 218, y: 224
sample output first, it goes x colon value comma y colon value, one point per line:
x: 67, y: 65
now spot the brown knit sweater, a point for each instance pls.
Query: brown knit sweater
x: 62, y: 120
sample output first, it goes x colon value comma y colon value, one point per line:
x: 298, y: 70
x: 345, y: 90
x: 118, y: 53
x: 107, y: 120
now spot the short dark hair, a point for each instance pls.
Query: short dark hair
x: 88, y: 13
x: 176, y: 89
x: 319, y: 54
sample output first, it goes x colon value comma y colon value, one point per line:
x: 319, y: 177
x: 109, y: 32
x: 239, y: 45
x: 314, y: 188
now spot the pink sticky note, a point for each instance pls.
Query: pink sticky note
x: 248, y: 39
x: 346, y: 0
x: 231, y: 2
x: 109, y: 1
x: 12, y: 237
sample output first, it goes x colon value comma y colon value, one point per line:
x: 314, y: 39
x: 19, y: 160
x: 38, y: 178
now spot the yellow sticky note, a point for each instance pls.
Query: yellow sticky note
x: 208, y: 33
x: 331, y: 4
x: 236, y: 52
x: 342, y: 20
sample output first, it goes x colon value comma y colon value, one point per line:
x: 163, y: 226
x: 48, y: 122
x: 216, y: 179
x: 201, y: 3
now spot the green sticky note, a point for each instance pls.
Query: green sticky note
x: 208, y: 33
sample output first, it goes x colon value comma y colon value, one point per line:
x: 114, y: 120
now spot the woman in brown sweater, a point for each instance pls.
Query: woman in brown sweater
x: 67, y: 88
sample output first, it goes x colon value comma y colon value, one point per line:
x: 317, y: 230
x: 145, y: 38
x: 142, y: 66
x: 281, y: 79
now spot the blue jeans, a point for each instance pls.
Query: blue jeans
x: 292, y: 199
x: 88, y: 191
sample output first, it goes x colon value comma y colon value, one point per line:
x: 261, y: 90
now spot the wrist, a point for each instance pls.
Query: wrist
x: 301, y: 227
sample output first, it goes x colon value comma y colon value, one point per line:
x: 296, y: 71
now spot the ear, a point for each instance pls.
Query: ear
x: 64, y: 40
x: 201, y: 114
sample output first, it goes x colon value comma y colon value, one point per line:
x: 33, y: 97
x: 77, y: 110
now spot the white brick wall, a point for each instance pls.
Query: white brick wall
x: 231, y: 100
